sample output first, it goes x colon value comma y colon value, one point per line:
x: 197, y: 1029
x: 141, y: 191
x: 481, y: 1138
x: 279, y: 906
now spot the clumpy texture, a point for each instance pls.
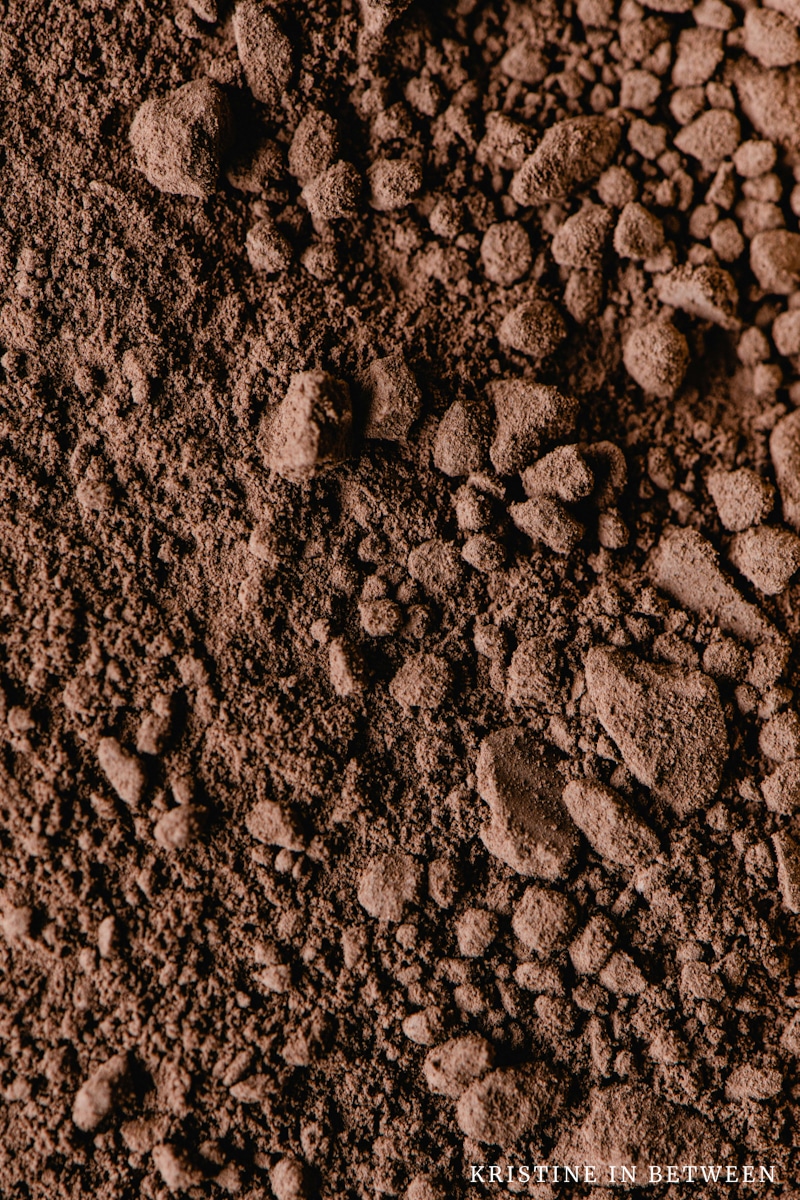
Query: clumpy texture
x: 399, y: 604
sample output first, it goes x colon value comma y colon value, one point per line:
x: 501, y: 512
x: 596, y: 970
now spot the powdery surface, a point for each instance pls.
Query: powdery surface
x: 400, y: 761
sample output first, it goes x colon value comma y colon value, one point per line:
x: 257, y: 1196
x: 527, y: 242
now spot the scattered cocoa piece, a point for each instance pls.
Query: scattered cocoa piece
x: 571, y: 153
x: 535, y: 328
x: 529, y: 829
x: 453, y: 1066
x: 395, y: 398
x: 668, y: 724
x: 784, y: 446
x: 265, y: 51
x: 609, y: 824
x: 311, y: 427
x: 123, y: 770
x: 390, y: 885
x: 528, y: 414
x: 178, y: 139
x: 98, y: 1096
x: 657, y: 355
x: 742, y: 498
x: 768, y: 557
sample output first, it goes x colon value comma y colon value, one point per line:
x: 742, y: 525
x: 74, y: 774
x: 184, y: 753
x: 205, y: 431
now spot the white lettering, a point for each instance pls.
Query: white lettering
x: 589, y: 1175
x: 571, y: 1175
x: 691, y: 1173
x: 495, y: 1175
x: 655, y: 1175
x: 768, y: 1174
x: 477, y: 1174
x: 711, y: 1174
x: 628, y: 1175
x: 748, y: 1174
x: 524, y: 1175
x: 732, y: 1175
x: 672, y: 1175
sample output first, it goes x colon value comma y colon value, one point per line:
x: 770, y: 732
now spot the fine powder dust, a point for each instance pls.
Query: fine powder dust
x: 399, y: 545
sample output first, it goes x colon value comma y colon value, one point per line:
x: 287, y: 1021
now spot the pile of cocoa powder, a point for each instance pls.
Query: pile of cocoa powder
x: 400, y: 527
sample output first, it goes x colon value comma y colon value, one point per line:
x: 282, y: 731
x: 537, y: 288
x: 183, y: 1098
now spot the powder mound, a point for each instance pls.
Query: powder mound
x: 711, y: 138
x: 423, y: 681
x: 528, y: 414
x: 742, y: 498
x: 611, y: 827
x: 178, y: 139
x: 461, y: 440
x: 775, y: 260
x: 483, y: 553
x: 518, y: 777
x: 656, y: 355
x: 100, y: 1094
x: 784, y: 448
x: 123, y: 771
x: 767, y: 556
x: 390, y: 885
x: 705, y: 292
x: 265, y: 51
x: 628, y: 1124
x: 395, y: 400
x: 378, y: 15
x: 311, y: 428
x: 393, y: 183
x: 535, y: 328
x: 524, y: 62
x: 667, y: 722
x: 571, y: 153
x: 345, y: 668
x: 506, y: 1104
x: 452, y: 1067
